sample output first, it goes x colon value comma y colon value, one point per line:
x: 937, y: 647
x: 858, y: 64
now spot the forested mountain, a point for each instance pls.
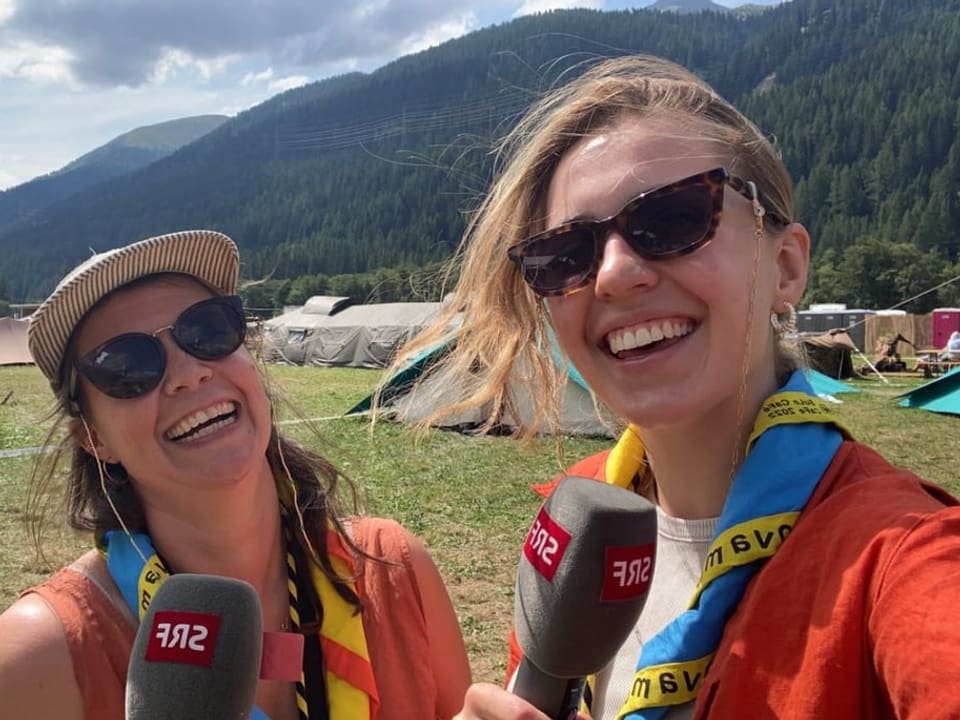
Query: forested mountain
x: 124, y: 154
x: 345, y: 186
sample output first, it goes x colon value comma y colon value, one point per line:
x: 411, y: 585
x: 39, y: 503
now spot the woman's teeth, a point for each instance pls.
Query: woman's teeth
x: 203, y: 422
x: 207, y: 429
x: 640, y: 336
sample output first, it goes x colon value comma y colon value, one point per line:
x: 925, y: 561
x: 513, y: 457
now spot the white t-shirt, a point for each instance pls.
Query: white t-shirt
x: 953, y: 346
x: 681, y: 552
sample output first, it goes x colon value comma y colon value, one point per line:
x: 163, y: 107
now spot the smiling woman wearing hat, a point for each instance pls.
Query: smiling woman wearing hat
x: 175, y: 461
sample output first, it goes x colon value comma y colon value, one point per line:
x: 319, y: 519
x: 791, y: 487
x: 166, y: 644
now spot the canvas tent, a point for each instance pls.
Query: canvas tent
x: 826, y: 385
x: 334, y: 334
x: 579, y: 414
x: 830, y: 353
x: 13, y: 342
x: 940, y: 396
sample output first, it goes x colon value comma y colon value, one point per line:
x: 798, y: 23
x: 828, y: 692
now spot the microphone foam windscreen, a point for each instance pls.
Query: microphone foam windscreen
x: 583, y: 576
x: 197, y: 652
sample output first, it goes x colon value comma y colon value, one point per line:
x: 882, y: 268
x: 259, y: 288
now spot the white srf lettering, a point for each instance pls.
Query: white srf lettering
x: 543, y: 543
x: 545, y: 546
x: 197, y: 637
x: 534, y: 530
x: 163, y: 633
x: 179, y: 635
x: 182, y: 636
x: 632, y: 572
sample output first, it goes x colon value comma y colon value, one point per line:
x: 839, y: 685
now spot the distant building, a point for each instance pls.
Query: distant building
x: 822, y: 317
x: 23, y: 310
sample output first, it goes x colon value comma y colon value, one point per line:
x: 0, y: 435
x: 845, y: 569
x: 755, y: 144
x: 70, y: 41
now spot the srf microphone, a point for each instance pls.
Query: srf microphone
x: 197, y: 653
x: 583, y: 578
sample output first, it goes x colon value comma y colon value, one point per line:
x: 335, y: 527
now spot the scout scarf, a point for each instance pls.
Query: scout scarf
x: 794, y: 439
x: 350, y: 684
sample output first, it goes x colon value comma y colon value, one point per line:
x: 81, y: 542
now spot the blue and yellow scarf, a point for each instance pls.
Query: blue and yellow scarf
x: 350, y: 684
x: 793, y: 441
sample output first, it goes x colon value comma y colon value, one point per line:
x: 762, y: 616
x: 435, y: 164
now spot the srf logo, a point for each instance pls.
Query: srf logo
x: 546, y: 542
x: 627, y: 572
x: 180, y: 636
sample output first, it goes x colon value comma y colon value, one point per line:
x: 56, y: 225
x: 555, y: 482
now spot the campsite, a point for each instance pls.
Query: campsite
x: 351, y: 152
x: 468, y: 497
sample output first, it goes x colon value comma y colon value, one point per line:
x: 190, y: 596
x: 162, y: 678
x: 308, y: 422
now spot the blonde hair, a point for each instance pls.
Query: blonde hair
x: 503, y: 329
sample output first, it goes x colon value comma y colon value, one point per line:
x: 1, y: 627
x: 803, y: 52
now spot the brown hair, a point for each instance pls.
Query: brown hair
x: 503, y: 328
x: 317, y: 480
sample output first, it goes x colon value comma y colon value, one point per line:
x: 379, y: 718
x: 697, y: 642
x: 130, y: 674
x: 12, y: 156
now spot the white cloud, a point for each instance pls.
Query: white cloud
x: 365, y: 10
x: 10, y: 164
x: 111, y: 65
x: 438, y: 33
x: 256, y: 78
x: 130, y: 43
x: 36, y: 63
x: 531, y: 7
x: 287, y: 83
x: 268, y: 79
x: 34, y: 141
x: 173, y: 61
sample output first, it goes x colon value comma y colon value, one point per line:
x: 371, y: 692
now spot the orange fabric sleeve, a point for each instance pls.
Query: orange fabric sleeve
x: 99, y: 638
x: 589, y: 467
x: 914, y: 626
x: 516, y: 655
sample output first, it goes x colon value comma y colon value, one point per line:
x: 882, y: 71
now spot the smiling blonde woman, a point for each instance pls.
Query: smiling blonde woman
x: 648, y: 226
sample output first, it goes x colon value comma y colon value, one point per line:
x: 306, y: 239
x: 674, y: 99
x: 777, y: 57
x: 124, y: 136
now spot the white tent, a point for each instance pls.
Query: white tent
x: 13, y: 342
x: 412, y: 402
x: 335, y: 333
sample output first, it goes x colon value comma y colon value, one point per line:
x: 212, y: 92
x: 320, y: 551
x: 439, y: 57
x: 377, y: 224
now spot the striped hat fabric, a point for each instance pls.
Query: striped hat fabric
x: 209, y: 256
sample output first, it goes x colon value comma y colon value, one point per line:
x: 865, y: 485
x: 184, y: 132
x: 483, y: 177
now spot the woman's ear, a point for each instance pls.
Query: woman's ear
x: 88, y: 438
x: 793, y: 262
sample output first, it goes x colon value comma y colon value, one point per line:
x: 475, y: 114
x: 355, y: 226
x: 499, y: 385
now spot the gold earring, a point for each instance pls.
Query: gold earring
x: 784, y: 323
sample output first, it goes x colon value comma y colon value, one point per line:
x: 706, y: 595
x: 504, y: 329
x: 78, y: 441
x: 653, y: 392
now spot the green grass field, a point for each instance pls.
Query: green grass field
x: 467, y: 497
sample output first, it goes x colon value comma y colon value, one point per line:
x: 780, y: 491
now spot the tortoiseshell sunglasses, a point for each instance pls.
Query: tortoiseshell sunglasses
x: 672, y: 220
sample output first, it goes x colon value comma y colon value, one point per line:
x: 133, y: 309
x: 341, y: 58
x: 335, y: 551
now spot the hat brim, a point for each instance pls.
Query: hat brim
x: 209, y: 256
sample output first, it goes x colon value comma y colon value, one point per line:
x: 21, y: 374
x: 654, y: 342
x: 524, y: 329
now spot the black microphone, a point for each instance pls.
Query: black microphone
x: 197, y: 653
x: 583, y: 578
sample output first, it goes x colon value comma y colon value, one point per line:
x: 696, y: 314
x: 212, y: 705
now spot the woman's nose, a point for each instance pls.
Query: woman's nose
x: 621, y: 270
x: 183, y: 371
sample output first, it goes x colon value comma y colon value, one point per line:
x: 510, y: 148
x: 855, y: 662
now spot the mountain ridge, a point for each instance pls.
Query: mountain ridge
x: 126, y: 153
x: 366, y: 172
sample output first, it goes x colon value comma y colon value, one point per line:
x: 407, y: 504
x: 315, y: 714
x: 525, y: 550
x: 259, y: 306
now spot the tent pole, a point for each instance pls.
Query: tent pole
x: 867, y: 361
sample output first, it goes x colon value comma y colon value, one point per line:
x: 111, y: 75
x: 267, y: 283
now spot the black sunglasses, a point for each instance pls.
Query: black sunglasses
x: 133, y: 364
x: 672, y: 220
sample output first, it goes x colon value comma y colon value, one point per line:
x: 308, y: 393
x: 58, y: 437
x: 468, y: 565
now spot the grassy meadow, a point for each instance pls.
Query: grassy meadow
x: 467, y: 497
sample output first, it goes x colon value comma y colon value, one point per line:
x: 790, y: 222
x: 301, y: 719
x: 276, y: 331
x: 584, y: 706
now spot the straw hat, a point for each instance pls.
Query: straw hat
x: 210, y: 257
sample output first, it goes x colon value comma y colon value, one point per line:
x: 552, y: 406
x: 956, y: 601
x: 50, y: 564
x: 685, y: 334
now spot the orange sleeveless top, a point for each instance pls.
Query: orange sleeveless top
x: 100, y: 636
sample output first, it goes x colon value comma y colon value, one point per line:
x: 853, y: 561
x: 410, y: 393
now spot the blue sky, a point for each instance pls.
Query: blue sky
x: 75, y: 74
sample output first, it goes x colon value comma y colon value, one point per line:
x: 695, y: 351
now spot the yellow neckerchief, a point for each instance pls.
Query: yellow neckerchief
x: 626, y: 462
x: 351, y: 686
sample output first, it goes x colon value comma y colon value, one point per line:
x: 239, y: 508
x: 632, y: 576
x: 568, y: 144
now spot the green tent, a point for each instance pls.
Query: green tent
x: 941, y: 395
x: 826, y: 385
x: 411, y: 403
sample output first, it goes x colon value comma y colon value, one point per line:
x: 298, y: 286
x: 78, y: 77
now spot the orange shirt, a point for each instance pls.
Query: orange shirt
x: 101, y: 638
x: 856, y: 616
